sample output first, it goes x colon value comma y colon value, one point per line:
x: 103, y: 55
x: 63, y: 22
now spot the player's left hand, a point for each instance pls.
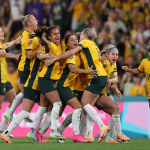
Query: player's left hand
x: 18, y: 56
x: 18, y: 40
x: 119, y: 95
x: 109, y: 83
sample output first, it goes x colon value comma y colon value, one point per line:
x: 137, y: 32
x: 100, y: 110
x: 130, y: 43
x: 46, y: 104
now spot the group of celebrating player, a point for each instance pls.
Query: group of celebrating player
x: 80, y: 78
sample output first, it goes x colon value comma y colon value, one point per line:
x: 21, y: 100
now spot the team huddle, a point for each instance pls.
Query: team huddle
x: 80, y: 77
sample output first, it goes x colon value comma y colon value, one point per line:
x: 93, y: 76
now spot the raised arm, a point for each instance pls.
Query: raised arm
x: 8, y: 55
x: 64, y: 55
x: 16, y: 41
x: 134, y: 71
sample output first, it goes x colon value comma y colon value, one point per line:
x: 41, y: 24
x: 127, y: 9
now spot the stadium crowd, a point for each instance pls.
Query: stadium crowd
x: 124, y: 23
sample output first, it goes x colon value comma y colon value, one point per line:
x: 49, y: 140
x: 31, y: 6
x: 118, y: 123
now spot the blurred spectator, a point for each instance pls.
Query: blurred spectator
x: 147, y: 31
x: 106, y: 36
x: 139, y: 37
x: 130, y: 62
x: 17, y: 10
x: 76, y: 7
x: 126, y: 83
x: 138, y: 89
x: 139, y: 57
x: 13, y: 75
x: 117, y: 23
x: 37, y: 9
x: 137, y: 16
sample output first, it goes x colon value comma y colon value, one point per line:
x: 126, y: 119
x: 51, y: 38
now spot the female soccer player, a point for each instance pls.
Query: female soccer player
x: 144, y: 67
x: 48, y: 77
x: 66, y: 85
x: 29, y: 49
x: 95, y: 85
x: 106, y: 101
x: 6, y: 89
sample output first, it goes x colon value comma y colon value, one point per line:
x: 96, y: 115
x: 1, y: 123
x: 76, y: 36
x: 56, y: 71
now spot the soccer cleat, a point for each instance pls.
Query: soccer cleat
x: 122, y: 138
x: 5, y: 138
x: 56, y: 135
x: 79, y: 139
x: 110, y: 140
x: 8, y: 117
x: 103, y: 133
x: 3, y: 129
x: 26, y: 119
x: 90, y: 137
x: 40, y: 138
x: 32, y: 137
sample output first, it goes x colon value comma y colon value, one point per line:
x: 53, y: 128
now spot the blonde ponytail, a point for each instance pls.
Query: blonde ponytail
x: 90, y: 33
x: 25, y: 20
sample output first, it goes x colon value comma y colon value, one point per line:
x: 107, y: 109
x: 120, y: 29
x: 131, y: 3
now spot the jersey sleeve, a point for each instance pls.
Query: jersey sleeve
x: 115, y: 69
x: 141, y: 67
x: 42, y: 50
x: 28, y: 44
x: 71, y: 60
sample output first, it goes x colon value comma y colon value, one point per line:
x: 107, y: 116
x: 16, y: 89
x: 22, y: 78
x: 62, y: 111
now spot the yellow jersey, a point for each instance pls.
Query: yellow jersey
x: 90, y: 55
x: 145, y: 67
x: 110, y: 68
x: 52, y: 71
x: 68, y: 78
x: 27, y: 44
x: 137, y: 90
x: 3, y: 67
x: 81, y: 81
x: 77, y: 8
x: 36, y: 68
x: 13, y: 78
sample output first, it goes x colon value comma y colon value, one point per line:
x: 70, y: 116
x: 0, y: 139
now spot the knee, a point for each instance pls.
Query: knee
x: 116, y: 107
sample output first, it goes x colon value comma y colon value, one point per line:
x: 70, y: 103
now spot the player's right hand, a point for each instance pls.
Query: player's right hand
x: 125, y: 68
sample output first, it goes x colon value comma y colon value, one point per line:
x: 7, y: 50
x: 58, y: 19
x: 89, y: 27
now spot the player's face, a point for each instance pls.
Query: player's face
x: 1, y: 35
x: 82, y: 36
x: 55, y: 36
x: 72, y: 42
x: 33, y: 22
x: 113, y: 56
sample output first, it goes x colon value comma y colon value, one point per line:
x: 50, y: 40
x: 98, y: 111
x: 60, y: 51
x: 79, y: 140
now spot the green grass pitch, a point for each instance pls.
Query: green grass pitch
x: 26, y: 144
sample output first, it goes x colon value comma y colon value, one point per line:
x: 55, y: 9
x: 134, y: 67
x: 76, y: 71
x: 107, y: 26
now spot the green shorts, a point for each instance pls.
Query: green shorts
x: 96, y: 85
x: 5, y: 87
x: 23, y: 76
x: 65, y: 94
x: 46, y: 85
x: 78, y: 94
x: 31, y: 94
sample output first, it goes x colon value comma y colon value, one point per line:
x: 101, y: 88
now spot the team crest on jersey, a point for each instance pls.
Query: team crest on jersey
x: 71, y: 58
x: 4, y: 89
x: 30, y: 42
